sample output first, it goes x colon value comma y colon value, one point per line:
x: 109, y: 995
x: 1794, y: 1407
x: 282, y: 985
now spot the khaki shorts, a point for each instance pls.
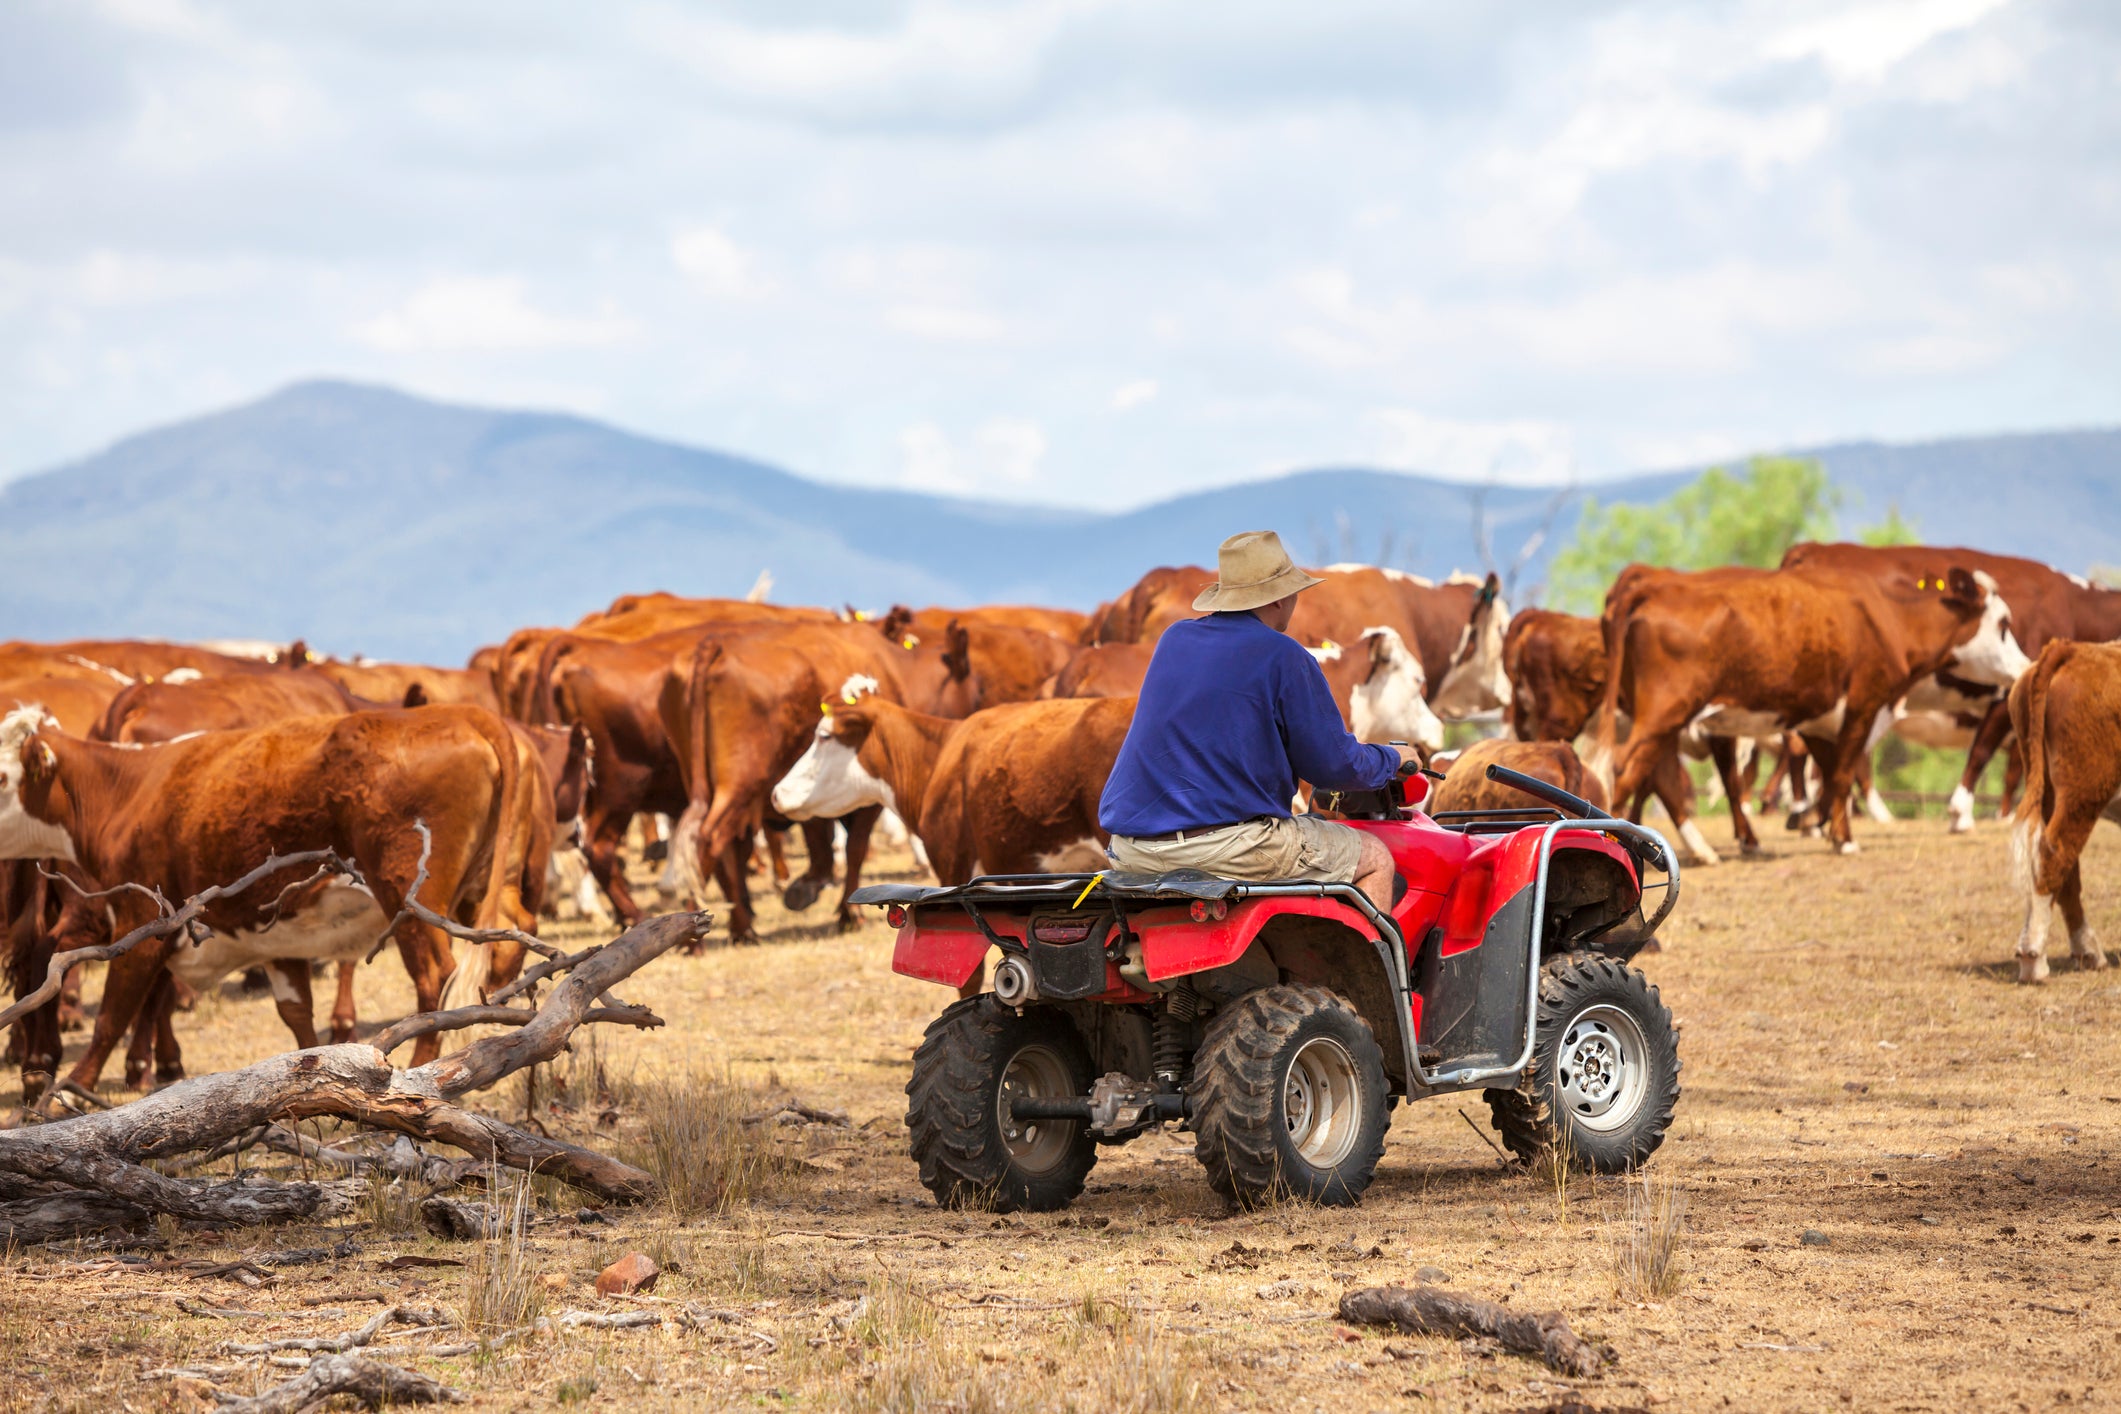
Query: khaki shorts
x: 1298, y: 847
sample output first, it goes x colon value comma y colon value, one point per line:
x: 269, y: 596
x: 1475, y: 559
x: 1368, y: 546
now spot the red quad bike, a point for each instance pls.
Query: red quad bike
x: 1281, y: 1022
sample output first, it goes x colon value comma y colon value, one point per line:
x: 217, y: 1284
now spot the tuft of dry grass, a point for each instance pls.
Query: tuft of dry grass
x: 1645, y: 1237
x: 390, y: 1206
x: 501, y: 1291
x: 698, y: 1147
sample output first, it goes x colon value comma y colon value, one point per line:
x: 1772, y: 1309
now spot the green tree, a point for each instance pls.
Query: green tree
x: 1895, y: 529
x: 1719, y: 518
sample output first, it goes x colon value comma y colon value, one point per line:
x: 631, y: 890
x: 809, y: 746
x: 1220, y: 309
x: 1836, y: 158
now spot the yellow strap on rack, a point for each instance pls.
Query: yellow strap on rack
x: 1094, y: 878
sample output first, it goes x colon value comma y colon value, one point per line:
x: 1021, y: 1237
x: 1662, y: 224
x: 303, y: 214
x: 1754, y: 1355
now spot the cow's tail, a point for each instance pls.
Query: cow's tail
x: 541, y: 707
x: 501, y: 906
x: 685, y: 839
x: 2028, y: 709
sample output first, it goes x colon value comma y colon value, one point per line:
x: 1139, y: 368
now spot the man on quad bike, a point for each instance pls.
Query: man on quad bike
x: 1232, y: 714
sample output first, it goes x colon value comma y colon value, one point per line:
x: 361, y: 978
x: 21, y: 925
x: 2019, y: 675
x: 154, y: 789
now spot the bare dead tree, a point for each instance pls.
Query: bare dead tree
x: 1528, y: 549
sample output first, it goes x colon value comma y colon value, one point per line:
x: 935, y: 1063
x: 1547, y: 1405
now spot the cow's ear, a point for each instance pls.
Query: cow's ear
x: 850, y: 726
x: 39, y: 762
x: 1962, y: 591
x: 958, y: 656
x: 1491, y: 588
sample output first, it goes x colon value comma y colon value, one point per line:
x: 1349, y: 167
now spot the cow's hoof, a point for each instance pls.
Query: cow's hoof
x: 2091, y: 962
x: 34, y: 1084
x: 2032, y: 969
x: 1749, y: 847
x: 341, y: 1035
x: 848, y: 923
x: 168, y: 1074
x: 801, y: 893
x: 71, y: 1019
x: 1848, y: 847
x: 136, y: 1077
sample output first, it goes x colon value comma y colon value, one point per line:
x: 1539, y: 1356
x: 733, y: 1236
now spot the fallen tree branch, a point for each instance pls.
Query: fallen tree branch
x: 426, y: 1317
x: 101, y: 1159
x: 428, y: 1022
x: 1424, y: 1310
x: 370, y: 1381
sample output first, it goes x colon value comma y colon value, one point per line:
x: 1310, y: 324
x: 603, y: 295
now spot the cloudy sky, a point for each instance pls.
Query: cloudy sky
x: 1069, y: 249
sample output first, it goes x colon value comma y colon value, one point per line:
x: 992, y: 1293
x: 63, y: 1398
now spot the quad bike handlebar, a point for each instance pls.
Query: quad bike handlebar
x: 1553, y: 795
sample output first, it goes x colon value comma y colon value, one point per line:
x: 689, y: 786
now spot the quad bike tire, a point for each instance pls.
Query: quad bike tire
x: 1289, y: 1094
x: 971, y: 1151
x: 1604, y: 1076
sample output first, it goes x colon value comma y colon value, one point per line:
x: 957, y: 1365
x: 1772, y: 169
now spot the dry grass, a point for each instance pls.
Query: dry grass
x: 501, y: 1286
x: 1857, y: 1061
x: 697, y: 1145
x: 1646, y: 1235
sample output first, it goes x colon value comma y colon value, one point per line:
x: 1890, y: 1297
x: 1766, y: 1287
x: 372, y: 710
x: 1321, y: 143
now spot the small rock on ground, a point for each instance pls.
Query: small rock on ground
x: 635, y: 1271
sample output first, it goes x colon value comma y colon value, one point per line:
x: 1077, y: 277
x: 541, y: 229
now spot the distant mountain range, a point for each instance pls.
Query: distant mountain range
x: 367, y: 520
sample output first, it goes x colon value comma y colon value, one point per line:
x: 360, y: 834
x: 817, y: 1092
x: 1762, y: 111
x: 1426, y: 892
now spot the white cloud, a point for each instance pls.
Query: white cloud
x: 486, y: 313
x: 1003, y: 452
x: 1864, y: 41
x: 1511, y: 453
x: 717, y: 266
x: 1134, y: 394
x: 945, y: 323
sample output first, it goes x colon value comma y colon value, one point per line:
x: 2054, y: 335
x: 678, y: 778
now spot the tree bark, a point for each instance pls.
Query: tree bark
x: 370, y: 1381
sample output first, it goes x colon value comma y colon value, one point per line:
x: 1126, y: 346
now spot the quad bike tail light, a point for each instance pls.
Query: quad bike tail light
x: 1207, y: 908
x: 896, y: 915
x: 1061, y: 930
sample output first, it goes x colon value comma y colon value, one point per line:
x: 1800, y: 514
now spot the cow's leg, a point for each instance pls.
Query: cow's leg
x: 777, y: 852
x: 605, y: 832
x: 429, y: 962
x: 859, y: 826
x: 343, y: 1014
x: 1837, y: 769
x: 292, y: 997
x: 817, y: 868
x: 733, y: 870
x: 1723, y: 751
x: 140, y: 1051
x: 2084, y: 949
x: 1778, y: 781
x: 1874, y: 805
x: 1988, y: 737
x: 69, y: 1016
x: 169, y: 1056
x: 126, y: 986
x: 37, y: 1035
x: 2013, y: 778
x: 1674, y: 790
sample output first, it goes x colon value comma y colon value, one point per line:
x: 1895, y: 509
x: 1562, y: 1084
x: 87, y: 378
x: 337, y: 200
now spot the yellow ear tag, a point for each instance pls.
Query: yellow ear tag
x: 1330, y: 646
x: 861, y: 616
x: 850, y: 697
x: 909, y: 641
x: 825, y: 707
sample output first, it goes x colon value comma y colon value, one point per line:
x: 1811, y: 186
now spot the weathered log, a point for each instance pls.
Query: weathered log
x: 106, y: 1152
x: 370, y: 1381
x: 428, y: 1022
x: 1424, y: 1310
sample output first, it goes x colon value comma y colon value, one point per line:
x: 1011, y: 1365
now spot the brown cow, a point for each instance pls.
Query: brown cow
x: 1465, y: 785
x: 122, y: 659
x: 190, y: 814
x: 394, y: 682
x: 1456, y: 629
x: 1951, y: 708
x: 2067, y: 713
x: 1067, y: 625
x: 741, y: 715
x: 1013, y: 663
x: 1010, y: 790
x: 1102, y: 670
x: 157, y: 711
x: 1806, y: 650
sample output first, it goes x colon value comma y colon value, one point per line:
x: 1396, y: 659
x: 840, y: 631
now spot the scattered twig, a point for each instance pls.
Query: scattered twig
x: 423, y: 1316
x: 1484, y: 1138
x: 370, y: 1381
x: 802, y: 1111
x: 1424, y: 1310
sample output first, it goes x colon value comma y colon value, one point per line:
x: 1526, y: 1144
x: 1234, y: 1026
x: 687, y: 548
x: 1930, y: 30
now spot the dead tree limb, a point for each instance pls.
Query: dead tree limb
x: 426, y: 1023
x: 370, y: 1381
x: 102, y: 1157
x: 1424, y: 1310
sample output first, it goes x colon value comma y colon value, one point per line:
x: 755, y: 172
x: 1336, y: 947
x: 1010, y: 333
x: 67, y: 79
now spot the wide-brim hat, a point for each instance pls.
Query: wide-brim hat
x: 1252, y: 570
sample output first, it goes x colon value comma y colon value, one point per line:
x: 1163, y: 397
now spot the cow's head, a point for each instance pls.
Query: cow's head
x: 1389, y: 703
x: 1987, y: 651
x: 829, y: 779
x: 578, y: 773
x: 1477, y: 681
x: 29, y: 769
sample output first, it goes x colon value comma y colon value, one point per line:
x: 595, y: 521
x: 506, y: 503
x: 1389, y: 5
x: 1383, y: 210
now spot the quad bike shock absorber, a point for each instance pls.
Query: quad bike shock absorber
x: 1173, y: 1019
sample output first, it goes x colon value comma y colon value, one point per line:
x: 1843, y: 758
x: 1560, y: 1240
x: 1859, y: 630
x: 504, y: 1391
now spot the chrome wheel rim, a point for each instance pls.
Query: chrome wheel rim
x: 1601, y: 1069
x: 1034, y: 1073
x: 1322, y: 1102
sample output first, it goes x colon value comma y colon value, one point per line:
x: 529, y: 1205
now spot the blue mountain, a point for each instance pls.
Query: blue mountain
x: 368, y: 520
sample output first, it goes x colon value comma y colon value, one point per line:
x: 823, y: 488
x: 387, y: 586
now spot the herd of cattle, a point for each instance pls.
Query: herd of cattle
x: 133, y: 772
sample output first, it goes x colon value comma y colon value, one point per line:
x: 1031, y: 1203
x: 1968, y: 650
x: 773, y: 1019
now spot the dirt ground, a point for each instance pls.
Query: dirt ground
x: 1858, y: 1063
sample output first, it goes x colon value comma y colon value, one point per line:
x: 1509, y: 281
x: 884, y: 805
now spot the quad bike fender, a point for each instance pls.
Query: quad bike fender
x: 939, y: 946
x: 1497, y: 877
x: 1174, y: 945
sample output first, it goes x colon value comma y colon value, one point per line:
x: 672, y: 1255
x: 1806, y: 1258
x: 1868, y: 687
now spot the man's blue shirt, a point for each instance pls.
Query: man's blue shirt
x: 1232, y: 714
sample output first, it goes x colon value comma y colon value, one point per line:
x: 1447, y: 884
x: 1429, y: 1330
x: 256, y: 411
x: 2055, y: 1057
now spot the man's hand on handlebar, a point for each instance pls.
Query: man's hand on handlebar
x: 1409, y: 758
